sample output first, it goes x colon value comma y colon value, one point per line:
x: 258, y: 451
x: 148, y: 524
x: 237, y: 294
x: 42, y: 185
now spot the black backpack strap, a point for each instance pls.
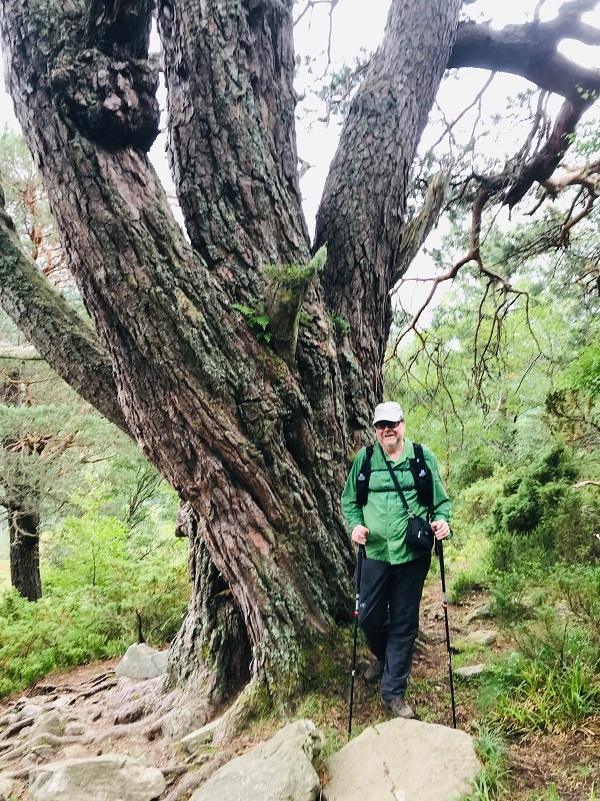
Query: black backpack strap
x: 398, y: 488
x: 364, y: 475
x: 422, y: 478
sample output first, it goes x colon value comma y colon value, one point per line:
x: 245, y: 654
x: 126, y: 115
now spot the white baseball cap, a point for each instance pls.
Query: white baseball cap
x: 390, y: 411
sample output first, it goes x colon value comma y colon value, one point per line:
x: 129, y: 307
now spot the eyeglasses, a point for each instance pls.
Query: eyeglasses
x: 381, y: 424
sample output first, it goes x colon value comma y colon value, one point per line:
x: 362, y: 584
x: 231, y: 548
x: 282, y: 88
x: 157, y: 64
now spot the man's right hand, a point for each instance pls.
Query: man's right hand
x: 360, y: 534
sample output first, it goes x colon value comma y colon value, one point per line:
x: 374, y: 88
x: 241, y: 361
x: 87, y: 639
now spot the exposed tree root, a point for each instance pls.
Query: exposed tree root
x: 248, y: 703
x: 196, y: 777
x: 15, y: 728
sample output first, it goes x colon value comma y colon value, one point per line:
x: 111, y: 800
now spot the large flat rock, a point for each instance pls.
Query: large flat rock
x: 403, y: 760
x: 110, y: 777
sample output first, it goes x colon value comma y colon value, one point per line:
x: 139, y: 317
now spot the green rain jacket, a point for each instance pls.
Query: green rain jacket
x: 383, y: 514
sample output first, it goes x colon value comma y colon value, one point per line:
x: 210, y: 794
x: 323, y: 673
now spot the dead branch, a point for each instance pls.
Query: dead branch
x: 416, y: 230
x: 586, y: 483
x: 309, y: 6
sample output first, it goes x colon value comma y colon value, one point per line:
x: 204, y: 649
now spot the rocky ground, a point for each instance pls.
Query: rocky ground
x: 88, y: 712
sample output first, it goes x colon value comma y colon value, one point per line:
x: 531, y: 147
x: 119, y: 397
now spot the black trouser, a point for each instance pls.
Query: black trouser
x: 389, y: 616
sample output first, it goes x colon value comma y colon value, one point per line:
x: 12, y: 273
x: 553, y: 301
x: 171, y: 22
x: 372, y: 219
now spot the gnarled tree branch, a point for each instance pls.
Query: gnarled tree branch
x: 63, y: 339
x: 530, y: 51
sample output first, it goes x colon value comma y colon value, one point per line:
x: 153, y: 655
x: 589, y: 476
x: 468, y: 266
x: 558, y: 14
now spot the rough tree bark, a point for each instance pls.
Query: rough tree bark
x: 23, y: 528
x: 21, y: 501
x: 256, y: 445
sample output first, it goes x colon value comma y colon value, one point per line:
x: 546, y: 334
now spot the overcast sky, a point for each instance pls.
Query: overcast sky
x: 356, y: 25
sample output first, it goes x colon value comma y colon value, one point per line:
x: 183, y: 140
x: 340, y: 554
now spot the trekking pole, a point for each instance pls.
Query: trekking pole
x: 361, y: 556
x: 439, y: 549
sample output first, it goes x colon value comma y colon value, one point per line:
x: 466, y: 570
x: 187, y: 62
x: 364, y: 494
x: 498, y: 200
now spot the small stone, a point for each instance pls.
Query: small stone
x: 142, y: 662
x: 6, y: 784
x: 50, y: 722
x: 74, y: 729
x: 563, y: 609
x: 483, y: 637
x: 31, y: 711
x: 470, y: 671
x: 479, y: 613
x: 74, y: 751
x: 192, y: 742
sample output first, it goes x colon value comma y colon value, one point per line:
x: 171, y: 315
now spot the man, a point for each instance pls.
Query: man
x: 392, y: 574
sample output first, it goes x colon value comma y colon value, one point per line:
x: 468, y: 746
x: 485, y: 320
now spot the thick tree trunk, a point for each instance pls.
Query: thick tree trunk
x: 257, y: 446
x: 25, y: 553
x: 362, y: 211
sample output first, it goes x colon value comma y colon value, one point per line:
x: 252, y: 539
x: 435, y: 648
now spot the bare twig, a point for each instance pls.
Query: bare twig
x: 473, y: 103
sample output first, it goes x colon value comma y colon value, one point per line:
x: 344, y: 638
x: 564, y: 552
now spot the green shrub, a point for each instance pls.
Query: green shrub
x: 97, y: 575
x: 550, y: 685
x: 472, y: 506
x: 476, y: 465
x: 464, y: 582
x: 508, y: 590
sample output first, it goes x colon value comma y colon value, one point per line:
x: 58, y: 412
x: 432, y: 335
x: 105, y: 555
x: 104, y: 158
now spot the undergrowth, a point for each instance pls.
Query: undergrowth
x: 98, y: 575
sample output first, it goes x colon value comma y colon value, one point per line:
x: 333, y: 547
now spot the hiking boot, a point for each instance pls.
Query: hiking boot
x: 398, y: 707
x: 374, y: 672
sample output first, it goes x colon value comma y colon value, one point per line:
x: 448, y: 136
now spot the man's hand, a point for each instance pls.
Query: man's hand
x: 441, y: 529
x: 360, y: 534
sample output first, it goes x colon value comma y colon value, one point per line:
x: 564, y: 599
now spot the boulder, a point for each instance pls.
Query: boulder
x: 403, y: 759
x: 483, y: 637
x: 277, y: 770
x: 105, y: 778
x: 6, y: 784
x: 142, y: 662
x: 470, y: 671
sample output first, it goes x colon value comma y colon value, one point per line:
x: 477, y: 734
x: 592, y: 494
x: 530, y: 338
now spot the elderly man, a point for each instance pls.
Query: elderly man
x: 392, y: 574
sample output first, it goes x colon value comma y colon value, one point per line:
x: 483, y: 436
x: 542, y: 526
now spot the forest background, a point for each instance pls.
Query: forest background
x: 500, y: 378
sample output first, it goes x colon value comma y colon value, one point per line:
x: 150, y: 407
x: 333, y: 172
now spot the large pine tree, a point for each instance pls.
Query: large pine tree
x: 254, y: 435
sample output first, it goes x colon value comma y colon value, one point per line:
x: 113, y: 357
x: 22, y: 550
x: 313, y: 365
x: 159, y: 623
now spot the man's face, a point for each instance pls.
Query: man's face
x: 390, y: 435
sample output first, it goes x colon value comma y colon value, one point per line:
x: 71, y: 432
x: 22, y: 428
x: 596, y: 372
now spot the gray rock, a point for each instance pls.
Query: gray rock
x: 109, y: 777
x: 403, y: 760
x: 194, y: 741
x: 74, y: 729
x: 6, y: 784
x: 277, y: 770
x: 51, y: 722
x: 563, y: 609
x: 74, y: 751
x: 142, y: 662
x: 480, y: 612
x: 470, y: 671
x: 31, y: 711
x: 483, y: 637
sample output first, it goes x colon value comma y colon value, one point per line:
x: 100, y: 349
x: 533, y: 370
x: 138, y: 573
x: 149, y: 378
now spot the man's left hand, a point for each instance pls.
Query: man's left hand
x: 441, y: 529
